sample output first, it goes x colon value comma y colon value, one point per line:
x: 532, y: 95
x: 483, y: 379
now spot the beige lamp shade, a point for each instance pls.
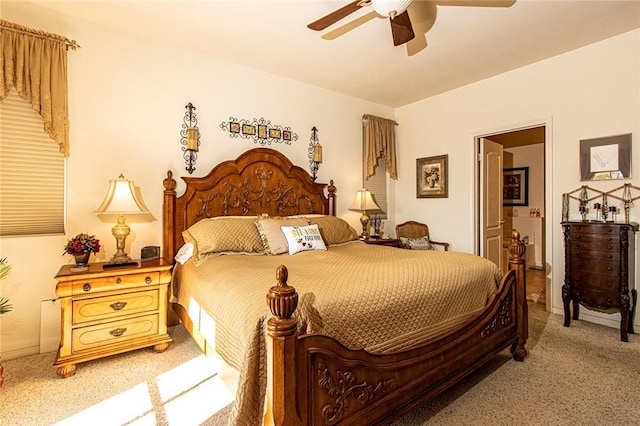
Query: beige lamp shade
x: 122, y: 198
x: 364, y: 201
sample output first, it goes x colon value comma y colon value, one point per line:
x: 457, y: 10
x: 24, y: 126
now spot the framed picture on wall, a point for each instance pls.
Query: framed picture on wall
x: 432, y: 177
x: 605, y: 158
x: 515, y: 183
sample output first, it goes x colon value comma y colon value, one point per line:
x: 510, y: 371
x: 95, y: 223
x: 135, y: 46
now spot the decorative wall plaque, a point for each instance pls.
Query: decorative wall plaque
x: 261, y: 131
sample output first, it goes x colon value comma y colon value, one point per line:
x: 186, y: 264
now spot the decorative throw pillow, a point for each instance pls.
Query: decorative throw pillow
x: 421, y: 243
x: 333, y: 229
x: 303, y: 238
x: 224, y: 234
x: 271, y: 235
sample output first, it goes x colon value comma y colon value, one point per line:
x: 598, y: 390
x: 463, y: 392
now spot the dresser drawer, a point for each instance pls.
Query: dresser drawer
x: 113, y: 332
x: 598, y: 300
x: 596, y: 255
x: 585, y: 280
x: 596, y: 238
x: 111, y: 307
x: 609, y: 247
x: 116, y: 282
x: 592, y: 266
x: 595, y: 229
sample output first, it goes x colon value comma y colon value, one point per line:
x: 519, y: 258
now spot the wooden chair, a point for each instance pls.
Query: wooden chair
x: 413, y: 229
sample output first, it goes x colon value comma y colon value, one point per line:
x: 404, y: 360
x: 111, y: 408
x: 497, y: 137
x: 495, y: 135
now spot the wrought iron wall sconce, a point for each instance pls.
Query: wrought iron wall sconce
x: 190, y: 138
x: 315, y: 153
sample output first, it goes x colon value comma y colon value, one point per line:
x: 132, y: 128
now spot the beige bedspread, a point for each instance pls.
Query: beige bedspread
x: 382, y: 299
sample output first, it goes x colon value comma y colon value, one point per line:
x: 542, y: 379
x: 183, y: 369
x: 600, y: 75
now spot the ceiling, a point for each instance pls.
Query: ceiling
x: 466, y: 40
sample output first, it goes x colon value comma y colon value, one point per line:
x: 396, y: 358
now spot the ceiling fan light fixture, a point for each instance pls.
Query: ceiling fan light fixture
x: 390, y: 8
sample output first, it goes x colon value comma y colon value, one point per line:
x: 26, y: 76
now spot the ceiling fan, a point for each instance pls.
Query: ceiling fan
x: 423, y: 12
x: 396, y: 10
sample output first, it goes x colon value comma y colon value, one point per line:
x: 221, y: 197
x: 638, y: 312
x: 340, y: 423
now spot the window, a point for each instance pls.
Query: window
x: 378, y: 157
x: 32, y: 171
x: 377, y: 185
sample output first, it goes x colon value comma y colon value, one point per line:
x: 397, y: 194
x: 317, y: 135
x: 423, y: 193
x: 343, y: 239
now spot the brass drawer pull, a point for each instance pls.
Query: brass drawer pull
x: 116, y: 306
x: 86, y: 287
x: 118, y: 280
x: 117, y: 332
x: 147, y: 280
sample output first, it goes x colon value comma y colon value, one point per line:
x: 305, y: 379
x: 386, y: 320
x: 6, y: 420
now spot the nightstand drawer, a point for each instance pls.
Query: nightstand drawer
x: 116, y: 282
x: 100, y: 308
x: 113, y: 332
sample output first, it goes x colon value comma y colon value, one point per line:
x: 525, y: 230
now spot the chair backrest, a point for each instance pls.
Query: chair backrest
x: 412, y: 229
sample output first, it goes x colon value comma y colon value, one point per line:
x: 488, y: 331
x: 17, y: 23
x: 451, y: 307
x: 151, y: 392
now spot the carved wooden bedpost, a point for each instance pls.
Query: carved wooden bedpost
x: 331, y: 189
x: 282, y: 331
x: 168, y: 216
x: 517, y: 262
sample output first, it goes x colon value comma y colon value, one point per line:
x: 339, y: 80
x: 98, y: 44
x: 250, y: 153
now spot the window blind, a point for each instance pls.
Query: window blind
x: 32, y: 172
x: 377, y: 183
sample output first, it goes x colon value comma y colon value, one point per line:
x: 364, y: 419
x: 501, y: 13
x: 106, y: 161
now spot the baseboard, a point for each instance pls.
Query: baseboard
x: 18, y: 353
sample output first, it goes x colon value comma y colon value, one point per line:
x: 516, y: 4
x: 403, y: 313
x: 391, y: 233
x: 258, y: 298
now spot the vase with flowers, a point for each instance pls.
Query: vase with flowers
x: 81, y: 246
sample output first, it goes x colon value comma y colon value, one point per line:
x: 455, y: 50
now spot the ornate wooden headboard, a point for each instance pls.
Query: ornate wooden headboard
x: 259, y: 181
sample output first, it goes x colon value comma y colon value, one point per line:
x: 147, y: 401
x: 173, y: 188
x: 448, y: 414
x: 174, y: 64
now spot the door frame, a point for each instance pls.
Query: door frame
x: 547, y: 122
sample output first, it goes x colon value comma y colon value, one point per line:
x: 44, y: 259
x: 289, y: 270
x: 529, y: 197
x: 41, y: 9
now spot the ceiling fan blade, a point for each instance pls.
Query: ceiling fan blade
x: 401, y: 29
x: 337, y: 15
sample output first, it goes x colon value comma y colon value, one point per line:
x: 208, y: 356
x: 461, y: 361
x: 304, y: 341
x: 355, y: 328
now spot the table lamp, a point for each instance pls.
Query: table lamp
x: 122, y: 198
x: 363, y: 203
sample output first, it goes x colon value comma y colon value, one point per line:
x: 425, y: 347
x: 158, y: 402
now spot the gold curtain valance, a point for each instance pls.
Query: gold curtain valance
x: 35, y: 63
x: 380, y: 139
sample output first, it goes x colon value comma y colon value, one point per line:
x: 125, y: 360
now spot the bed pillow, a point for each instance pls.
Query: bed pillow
x: 422, y: 243
x: 269, y: 230
x: 224, y: 234
x: 333, y: 229
x: 303, y: 238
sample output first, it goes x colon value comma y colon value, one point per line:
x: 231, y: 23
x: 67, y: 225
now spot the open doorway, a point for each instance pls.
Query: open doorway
x: 523, y: 198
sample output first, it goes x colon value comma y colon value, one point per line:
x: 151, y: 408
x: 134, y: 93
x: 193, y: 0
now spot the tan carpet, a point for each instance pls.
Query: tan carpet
x: 578, y: 375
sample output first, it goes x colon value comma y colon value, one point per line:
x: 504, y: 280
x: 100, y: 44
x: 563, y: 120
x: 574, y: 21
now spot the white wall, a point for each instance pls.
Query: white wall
x: 127, y: 100
x: 590, y: 92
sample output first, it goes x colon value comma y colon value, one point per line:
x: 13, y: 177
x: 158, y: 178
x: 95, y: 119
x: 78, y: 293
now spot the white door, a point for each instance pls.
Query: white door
x: 491, y: 244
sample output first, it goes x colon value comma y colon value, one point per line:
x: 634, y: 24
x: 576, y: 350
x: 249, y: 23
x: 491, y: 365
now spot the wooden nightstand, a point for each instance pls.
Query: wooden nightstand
x: 110, y: 311
x: 391, y: 242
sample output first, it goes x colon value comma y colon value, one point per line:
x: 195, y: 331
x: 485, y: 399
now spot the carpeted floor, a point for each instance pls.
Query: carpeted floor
x: 578, y: 375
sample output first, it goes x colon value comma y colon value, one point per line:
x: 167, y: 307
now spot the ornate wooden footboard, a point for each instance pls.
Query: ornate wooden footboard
x: 314, y: 380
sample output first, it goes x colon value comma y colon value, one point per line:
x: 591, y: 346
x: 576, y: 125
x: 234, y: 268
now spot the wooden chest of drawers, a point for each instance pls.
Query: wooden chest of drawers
x: 599, y: 270
x: 110, y: 311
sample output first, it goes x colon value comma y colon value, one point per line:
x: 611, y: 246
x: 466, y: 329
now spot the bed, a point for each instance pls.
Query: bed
x: 314, y: 354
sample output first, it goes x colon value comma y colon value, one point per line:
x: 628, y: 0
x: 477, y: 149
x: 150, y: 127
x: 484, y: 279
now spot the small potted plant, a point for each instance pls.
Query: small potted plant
x: 81, y: 246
